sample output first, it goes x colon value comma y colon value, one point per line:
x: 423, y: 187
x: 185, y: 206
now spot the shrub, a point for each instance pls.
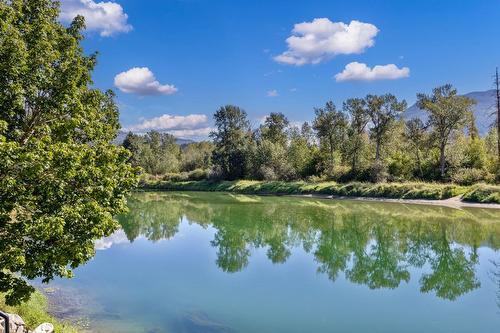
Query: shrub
x: 470, y: 176
x: 483, y: 193
x: 197, y: 174
x: 340, y: 173
x: 378, y: 173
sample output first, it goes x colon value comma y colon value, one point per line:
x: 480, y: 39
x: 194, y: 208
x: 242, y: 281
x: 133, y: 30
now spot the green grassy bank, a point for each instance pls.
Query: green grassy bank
x: 35, y: 312
x: 432, y: 191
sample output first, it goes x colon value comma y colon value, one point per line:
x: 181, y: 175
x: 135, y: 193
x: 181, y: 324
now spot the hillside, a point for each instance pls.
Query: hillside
x: 483, y: 110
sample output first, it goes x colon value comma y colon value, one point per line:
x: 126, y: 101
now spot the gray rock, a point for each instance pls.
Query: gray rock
x: 44, y: 328
x: 17, y: 325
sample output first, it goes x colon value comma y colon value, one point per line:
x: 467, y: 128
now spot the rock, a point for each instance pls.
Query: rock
x: 16, y: 324
x: 44, y: 328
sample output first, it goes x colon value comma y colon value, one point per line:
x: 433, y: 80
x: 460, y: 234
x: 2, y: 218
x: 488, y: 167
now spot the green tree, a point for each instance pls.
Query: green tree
x: 230, y: 140
x: 330, y: 126
x: 356, y: 109
x: 448, y: 112
x: 299, y: 154
x: 383, y: 111
x: 160, y: 153
x: 61, y: 179
x: 415, y: 134
x: 274, y: 128
x: 197, y: 155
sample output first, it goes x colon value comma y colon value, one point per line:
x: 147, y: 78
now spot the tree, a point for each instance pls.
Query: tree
x: 330, y: 126
x: 383, y: 110
x: 356, y: 109
x: 197, y: 155
x: 415, y: 133
x: 230, y: 139
x: 61, y: 179
x: 497, y: 99
x: 299, y: 153
x: 448, y: 112
x: 274, y: 128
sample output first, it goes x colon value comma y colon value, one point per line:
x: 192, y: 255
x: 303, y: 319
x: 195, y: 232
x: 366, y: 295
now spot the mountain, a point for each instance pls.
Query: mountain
x: 483, y: 110
x: 122, y: 135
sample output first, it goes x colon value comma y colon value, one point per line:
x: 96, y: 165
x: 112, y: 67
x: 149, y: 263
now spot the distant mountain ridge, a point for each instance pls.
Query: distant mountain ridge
x: 483, y: 110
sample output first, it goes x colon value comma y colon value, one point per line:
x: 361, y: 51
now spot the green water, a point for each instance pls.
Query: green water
x: 205, y: 262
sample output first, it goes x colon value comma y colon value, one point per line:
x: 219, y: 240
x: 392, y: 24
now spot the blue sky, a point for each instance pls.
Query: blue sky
x: 204, y: 54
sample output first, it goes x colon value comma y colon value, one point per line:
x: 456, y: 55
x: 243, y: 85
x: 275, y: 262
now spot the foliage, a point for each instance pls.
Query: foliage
x: 331, y: 129
x: 354, y: 189
x: 448, y: 112
x: 367, y: 140
x: 157, y: 153
x: 197, y: 174
x: 230, y: 139
x: 61, y: 179
x: 470, y: 176
x: 196, y: 155
x: 483, y: 193
x: 383, y: 111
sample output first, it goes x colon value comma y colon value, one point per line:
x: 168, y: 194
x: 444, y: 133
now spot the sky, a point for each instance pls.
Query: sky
x: 172, y: 63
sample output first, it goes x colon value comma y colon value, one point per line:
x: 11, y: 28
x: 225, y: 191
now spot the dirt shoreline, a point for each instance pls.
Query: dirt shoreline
x: 454, y: 202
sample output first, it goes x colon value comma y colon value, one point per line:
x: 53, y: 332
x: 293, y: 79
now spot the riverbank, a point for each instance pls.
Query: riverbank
x: 35, y: 312
x: 480, y: 195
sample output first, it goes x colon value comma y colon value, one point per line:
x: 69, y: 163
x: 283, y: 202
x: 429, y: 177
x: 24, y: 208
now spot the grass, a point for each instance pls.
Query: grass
x: 414, y: 190
x: 483, y: 193
x: 35, y: 312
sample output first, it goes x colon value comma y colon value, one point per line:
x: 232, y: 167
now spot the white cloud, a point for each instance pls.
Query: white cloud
x: 356, y: 71
x: 193, y: 125
x: 322, y: 39
x: 272, y: 93
x: 107, y: 17
x: 141, y: 81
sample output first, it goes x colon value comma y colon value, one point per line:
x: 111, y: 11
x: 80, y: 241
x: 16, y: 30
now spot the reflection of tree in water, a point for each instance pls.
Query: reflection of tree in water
x: 370, y: 243
x: 383, y: 265
x: 496, y: 279
x: 148, y: 217
x: 453, y: 271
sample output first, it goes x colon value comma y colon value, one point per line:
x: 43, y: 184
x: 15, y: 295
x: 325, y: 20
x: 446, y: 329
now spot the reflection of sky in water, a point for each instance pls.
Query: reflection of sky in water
x: 218, y: 263
x: 118, y: 237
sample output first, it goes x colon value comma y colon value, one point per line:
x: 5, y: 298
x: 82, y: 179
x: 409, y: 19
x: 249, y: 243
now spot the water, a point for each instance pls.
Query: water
x: 205, y: 262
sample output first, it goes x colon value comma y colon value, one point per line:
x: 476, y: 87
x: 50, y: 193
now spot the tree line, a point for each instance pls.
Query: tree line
x: 366, y: 139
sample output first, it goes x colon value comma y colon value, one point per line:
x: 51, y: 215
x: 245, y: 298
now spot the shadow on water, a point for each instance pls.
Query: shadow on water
x: 200, y: 322
x: 370, y: 243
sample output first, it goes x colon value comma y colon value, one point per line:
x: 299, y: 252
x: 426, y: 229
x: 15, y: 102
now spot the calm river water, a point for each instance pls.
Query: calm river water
x: 206, y: 262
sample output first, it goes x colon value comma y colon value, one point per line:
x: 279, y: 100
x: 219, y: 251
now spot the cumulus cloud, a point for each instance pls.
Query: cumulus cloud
x: 322, y: 39
x: 272, y: 93
x: 141, y: 81
x: 193, y: 125
x: 356, y: 71
x: 107, y: 17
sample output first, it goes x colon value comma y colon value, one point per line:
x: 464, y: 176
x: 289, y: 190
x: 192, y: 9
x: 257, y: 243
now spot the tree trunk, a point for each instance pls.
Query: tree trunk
x: 419, y: 164
x: 377, y: 151
x: 442, y: 160
x: 497, y: 90
x: 330, y: 139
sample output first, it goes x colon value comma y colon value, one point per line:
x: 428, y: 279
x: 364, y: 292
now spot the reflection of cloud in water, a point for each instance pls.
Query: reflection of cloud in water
x: 118, y: 237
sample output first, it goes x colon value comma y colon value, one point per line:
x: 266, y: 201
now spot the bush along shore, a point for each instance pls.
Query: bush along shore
x: 479, y: 193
